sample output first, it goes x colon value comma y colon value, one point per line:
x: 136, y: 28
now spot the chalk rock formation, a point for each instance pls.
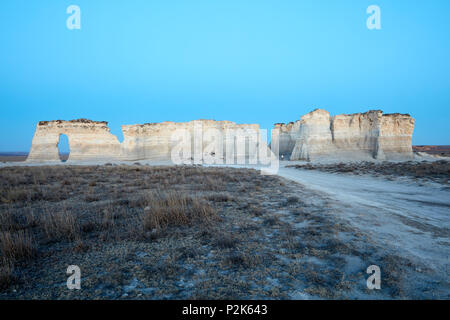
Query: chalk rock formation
x: 156, y: 141
x: 88, y: 140
x: 355, y: 136
x: 395, y: 139
x: 313, y: 136
x: 199, y: 139
x: 287, y: 137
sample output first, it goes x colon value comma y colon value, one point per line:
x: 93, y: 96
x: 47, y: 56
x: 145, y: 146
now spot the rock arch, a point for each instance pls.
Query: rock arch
x: 88, y: 140
x: 92, y: 140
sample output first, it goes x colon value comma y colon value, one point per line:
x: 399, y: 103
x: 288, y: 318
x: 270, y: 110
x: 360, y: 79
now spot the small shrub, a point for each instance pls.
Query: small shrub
x: 219, y: 197
x: 92, y: 198
x: 236, y: 260
x: 89, y: 226
x: 271, y: 221
x: 80, y: 246
x: 16, y: 246
x: 255, y: 210
x: 292, y: 200
x: 241, y: 260
x: 7, y: 221
x: 13, y: 195
x: 66, y: 182
x: 108, y: 218
x: 6, y: 274
x: 226, y: 240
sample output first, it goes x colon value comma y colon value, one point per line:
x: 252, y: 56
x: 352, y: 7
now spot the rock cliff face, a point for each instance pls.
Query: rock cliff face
x: 91, y: 140
x: 287, y: 137
x: 156, y: 141
x: 88, y: 140
x: 354, y: 137
x: 395, y: 139
x: 316, y: 135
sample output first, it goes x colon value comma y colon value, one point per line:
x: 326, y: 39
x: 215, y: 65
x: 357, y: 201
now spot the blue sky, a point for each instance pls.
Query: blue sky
x: 253, y: 61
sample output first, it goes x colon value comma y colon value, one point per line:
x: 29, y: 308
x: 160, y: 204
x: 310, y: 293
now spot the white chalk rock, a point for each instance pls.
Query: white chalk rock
x: 204, y: 141
x: 359, y: 136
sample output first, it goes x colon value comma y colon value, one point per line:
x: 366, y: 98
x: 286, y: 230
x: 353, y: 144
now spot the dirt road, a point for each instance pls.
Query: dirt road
x: 410, y: 219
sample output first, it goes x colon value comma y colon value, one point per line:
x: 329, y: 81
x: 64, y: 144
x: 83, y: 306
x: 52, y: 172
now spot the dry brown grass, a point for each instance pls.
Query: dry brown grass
x: 16, y: 245
x: 241, y: 260
x: 174, y: 209
x: 60, y: 225
x: 7, y: 220
x: 183, y: 231
x: 6, y: 274
x: 103, y: 212
x: 24, y: 194
x: 226, y: 240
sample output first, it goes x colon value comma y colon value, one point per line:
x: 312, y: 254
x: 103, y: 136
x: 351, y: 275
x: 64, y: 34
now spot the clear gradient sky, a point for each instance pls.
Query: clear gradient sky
x: 249, y: 61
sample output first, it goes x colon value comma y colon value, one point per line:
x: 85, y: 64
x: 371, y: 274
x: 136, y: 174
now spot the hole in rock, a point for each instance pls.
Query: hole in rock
x: 63, y: 147
x: 117, y: 131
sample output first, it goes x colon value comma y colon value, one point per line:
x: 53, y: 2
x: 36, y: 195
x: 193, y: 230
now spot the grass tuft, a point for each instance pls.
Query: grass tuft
x: 16, y: 245
x: 164, y: 209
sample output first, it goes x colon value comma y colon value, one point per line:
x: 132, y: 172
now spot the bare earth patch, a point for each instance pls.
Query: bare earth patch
x: 185, y: 232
